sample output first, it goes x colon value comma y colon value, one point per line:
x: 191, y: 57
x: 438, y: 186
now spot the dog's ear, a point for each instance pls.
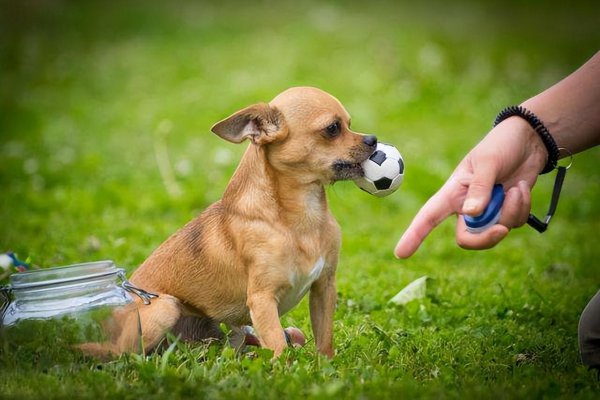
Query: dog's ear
x: 260, y: 122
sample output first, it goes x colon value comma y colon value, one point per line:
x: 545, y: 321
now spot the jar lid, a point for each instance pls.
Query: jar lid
x: 63, y: 274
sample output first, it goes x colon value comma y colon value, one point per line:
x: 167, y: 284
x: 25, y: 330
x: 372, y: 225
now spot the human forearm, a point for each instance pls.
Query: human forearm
x: 571, y: 108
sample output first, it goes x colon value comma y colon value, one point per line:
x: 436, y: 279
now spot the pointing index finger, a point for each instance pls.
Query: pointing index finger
x: 435, y: 210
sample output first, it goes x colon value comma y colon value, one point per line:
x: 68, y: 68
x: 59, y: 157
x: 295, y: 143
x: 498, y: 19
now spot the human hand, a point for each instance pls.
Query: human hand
x: 511, y: 154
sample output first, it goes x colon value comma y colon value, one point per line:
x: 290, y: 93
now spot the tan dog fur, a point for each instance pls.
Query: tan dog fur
x: 236, y: 262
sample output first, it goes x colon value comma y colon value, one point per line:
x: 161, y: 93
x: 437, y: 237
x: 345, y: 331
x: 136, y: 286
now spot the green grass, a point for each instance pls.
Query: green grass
x: 89, y: 90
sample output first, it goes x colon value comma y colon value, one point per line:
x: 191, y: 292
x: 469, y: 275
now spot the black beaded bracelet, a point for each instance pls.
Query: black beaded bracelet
x: 538, y: 126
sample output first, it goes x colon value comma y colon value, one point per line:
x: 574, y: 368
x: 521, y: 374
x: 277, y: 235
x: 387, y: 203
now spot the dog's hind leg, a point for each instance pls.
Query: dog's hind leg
x: 156, y: 319
x: 122, y: 335
x: 123, y: 329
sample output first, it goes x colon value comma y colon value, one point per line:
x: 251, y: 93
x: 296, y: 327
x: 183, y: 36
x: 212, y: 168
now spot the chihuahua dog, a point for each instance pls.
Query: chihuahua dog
x: 252, y: 256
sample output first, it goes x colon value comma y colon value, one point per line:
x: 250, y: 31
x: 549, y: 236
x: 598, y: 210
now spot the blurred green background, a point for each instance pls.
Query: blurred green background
x: 93, y: 92
x: 96, y: 95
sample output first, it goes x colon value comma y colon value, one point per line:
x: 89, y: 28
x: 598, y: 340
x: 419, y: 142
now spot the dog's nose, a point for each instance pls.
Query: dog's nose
x: 370, y: 140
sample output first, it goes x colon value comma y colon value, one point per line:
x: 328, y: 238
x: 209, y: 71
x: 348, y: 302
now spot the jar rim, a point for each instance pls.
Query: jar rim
x: 63, y: 274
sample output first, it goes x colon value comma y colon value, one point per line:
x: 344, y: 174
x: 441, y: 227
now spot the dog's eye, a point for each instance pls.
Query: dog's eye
x: 333, y: 129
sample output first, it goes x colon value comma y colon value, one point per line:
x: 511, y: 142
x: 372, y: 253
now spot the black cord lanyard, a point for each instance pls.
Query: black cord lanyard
x: 534, y: 221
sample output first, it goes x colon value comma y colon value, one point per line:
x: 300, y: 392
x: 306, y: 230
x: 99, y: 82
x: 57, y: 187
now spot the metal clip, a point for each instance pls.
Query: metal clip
x: 4, y: 300
x: 142, y: 294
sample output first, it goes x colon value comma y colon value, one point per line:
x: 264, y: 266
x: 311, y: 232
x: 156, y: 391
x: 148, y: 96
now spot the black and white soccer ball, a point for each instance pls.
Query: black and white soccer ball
x: 384, y: 171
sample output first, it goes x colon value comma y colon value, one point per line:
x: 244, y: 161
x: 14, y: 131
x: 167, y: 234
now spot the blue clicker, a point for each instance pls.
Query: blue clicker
x: 490, y: 215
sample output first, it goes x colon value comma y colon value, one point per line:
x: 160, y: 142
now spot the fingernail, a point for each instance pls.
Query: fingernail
x: 396, y: 251
x: 470, y: 206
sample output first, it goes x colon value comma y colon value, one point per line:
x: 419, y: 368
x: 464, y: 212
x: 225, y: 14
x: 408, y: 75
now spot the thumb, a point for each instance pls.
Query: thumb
x: 480, y: 190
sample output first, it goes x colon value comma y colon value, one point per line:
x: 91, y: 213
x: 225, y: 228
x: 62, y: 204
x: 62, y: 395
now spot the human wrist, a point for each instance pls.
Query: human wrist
x: 533, y: 146
x: 552, y: 150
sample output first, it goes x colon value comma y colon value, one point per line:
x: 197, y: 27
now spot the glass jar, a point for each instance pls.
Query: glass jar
x: 56, y: 315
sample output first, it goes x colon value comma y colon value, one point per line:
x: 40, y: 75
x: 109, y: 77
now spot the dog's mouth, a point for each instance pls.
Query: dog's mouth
x: 351, y: 168
x: 346, y: 170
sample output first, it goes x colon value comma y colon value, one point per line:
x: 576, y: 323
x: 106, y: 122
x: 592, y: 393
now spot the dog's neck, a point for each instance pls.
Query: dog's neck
x: 258, y: 191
